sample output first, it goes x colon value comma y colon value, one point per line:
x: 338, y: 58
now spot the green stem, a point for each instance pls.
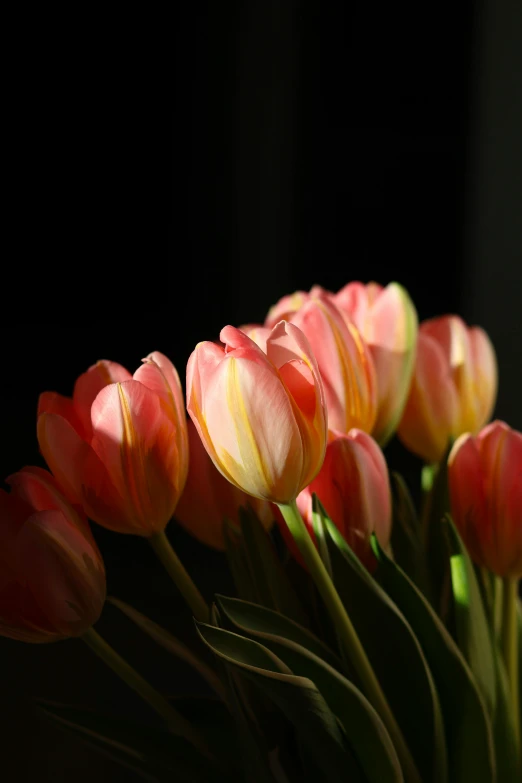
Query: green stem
x: 177, y: 723
x: 179, y: 576
x: 510, y: 648
x: 348, y: 635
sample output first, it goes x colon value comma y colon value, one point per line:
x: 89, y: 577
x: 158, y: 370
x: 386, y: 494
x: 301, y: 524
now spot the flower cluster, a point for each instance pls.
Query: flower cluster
x: 287, y: 422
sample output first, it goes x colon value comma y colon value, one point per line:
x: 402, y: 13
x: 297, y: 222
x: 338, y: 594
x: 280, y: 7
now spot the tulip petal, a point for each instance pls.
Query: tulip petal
x: 90, y: 383
x: 288, y: 345
x: 160, y: 376
x: 431, y: 412
x: 485, y: 375
x: 52, y: 402
x: 133, y: 435
x: 41, y: 491
x: 68, y: 584
x: 468, y: 495
x: 65, y: 453
x: 285, y: 308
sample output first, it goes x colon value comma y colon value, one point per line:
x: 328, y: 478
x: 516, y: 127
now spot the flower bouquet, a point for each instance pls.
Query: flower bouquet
x: 372, y: 638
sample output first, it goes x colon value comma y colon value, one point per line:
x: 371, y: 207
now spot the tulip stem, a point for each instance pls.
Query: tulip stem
x: 348, y: 635
x: 177, y: 724
x: 510, y: 648
x: 176, y: 570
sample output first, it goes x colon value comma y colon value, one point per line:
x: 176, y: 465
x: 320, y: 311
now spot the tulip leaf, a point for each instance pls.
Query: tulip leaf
x: 406, y: 540
x: 275, y: 589
x: 169, y: 642
x: 472, y: 629
x: 304, y: 655
x: 154, y: 754
x: 396, y: 656
x: 297, y: 697
x: 468, y: 729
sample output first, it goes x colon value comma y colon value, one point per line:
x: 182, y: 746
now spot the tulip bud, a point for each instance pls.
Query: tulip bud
x: 343, y: 358
x: 485, y: 481
x: 453, y: 389
x: 387, y: 320
x: 208, y: 498
x: 52, y: 577
x: 354, y: 488
x: 119, y: 447
x: 261, y: 416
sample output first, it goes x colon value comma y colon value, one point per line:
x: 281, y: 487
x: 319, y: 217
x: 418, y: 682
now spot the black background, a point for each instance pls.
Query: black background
x: 169, y: 180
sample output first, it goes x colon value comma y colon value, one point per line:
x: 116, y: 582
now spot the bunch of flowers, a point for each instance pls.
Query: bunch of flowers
x: 368, y: 641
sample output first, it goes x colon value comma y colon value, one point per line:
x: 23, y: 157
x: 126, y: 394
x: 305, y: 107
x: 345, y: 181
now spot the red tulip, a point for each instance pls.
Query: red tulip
x: 52, y: 577
x: 119, y: 447
x: 208, y: 498
x: 387, y: 320
x: 453, y: 389
x: 485, y: 480
x: 354, y: 488
x: 261, y: 415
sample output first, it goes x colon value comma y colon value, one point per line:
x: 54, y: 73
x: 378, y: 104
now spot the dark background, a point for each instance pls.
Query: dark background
x: 172, y: 179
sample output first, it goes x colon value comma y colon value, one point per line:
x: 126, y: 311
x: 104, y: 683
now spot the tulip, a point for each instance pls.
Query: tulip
x: 387, y: 320
x: 354, y: 489
x: 119, y: 446
x: 453, y: 389
x: 485, y: 481
x: 52, y: 577
x: 208, y: 498
x: 344, y: 359
x: 260, y: 415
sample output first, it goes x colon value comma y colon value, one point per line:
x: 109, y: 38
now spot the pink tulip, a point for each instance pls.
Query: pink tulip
x: 119, y: 447
x: 208, y: 498
x: 343, y: 358
x: 354, y: 488
x: 387, y: 320
x: 485, y: 480
x: 52, y: 577
x: 260, y: 415
x: 453, y: 389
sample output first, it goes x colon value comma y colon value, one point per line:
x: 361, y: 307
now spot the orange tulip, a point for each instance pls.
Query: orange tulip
x: 119, y: 447
x: 208, y: 498
x: 260, y: 415
x: 485, y: 481
x: 453, y: 389
x: 52, y: 577
x: 342, y: 355
x: 387, y: 320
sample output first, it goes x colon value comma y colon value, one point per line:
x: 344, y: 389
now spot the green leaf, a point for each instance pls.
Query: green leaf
x: 261, y: 620
x: 468, y: 729
x: 297, y: 697
x: 171, y: 644
x: 396, y: 656
x: 274, y: 588
x: 364, y: 729
x: 154, y: 754
x: 406, y: 540
x: 472, y: 629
